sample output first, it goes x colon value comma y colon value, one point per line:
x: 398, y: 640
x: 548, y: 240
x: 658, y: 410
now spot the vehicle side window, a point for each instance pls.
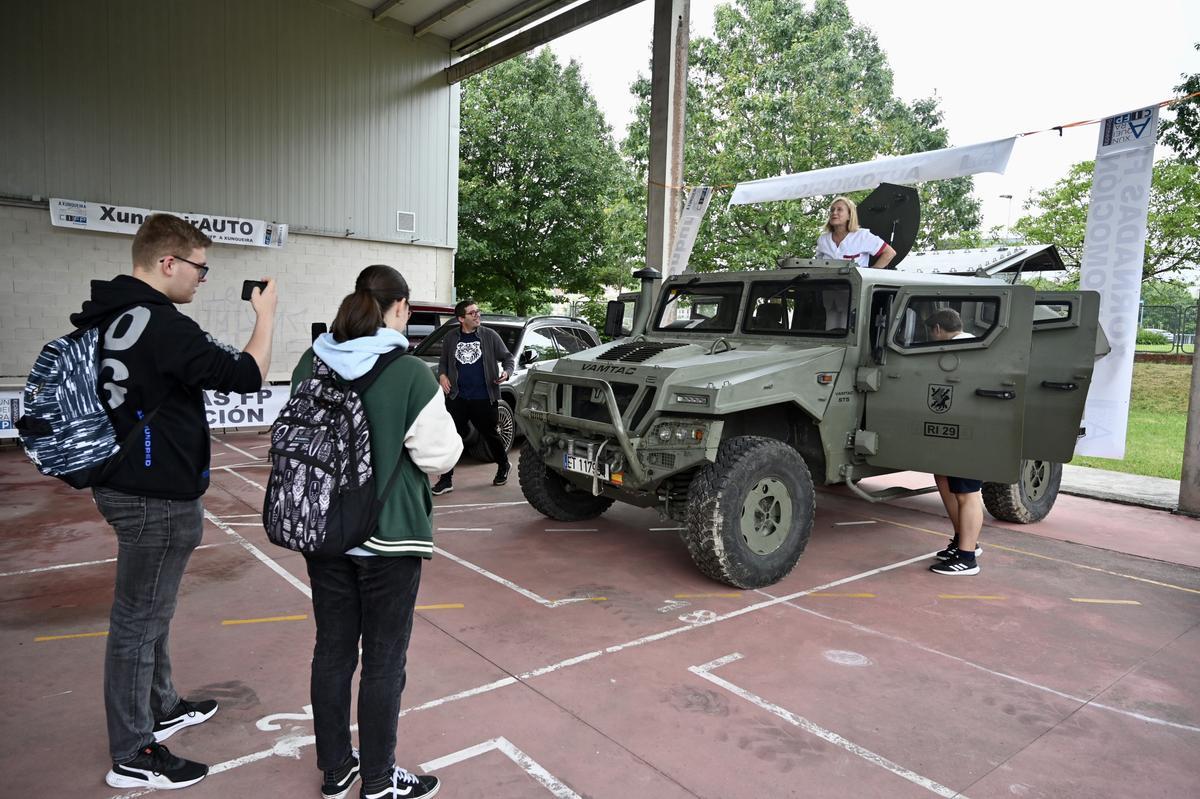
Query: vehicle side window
x: 977, y: 316
x: 535, y: 340
x: 569, y: 340
x: 1046, y: 311
x: 509, y: 335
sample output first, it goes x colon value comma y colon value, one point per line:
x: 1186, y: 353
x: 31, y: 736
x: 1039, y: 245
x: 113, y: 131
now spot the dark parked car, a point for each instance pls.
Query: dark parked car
x: 536, y: 339
x: 426, y: 318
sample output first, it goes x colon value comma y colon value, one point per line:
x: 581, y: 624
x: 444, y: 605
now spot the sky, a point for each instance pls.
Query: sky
x: 997, y: 68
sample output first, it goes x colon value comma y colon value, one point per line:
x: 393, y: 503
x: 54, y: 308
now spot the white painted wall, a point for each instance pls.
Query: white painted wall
x: 45, y: 274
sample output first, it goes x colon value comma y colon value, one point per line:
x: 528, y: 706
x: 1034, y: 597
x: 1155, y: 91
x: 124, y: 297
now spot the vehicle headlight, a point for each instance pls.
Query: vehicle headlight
x: 664, y: 433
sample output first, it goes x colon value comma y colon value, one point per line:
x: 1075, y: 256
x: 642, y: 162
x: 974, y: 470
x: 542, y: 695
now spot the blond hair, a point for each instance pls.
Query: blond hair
x: 852, y: 223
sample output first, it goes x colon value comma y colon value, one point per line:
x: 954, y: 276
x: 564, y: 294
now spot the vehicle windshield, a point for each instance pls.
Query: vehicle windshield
x: 799, y: 307
x: 432, y: 344
x: 712, y: 308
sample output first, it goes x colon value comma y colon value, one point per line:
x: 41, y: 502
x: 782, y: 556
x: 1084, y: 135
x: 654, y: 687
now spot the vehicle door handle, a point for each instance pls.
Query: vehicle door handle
x: 1059, y: 386
x: 996, y: 393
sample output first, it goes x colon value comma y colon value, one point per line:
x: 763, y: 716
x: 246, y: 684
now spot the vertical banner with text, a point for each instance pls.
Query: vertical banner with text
x: 1113, y: 252
x: 689, y: 225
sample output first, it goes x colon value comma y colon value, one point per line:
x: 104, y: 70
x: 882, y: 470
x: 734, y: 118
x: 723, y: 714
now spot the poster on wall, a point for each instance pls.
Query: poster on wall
x: 10, y: 412
x: 257, y: 409
x: 108, y: 218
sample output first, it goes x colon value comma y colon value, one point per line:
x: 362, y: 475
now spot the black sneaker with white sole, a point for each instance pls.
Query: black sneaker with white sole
x: 444, y: 485
x: 338, y: 782
x: 185, y: 714
x: 156, y: 767
x: 501, y: 474
x: 404, y: 785
x: 957, y: 566
x: 951, y: 552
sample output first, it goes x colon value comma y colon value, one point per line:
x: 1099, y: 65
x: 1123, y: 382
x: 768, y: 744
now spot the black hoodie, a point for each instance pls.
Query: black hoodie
x: 153, y: 356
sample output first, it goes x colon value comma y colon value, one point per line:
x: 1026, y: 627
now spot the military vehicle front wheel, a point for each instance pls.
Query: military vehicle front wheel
x: 1030, y: 498
x: 551, y: 495
x: 750, y: 513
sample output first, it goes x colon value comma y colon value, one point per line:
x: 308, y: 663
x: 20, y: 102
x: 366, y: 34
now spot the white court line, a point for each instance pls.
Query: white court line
x: 258, y: 553
x: 464, y: 529
x: 705, y: 672
x: 992, y: 672
x: 81, y: 563
x: 239, y: 450
x: 240, y: 516
x: 662, y: 529
x: 480, y: 505
x: 243, y: 478
x: 541, y: 600
x: 244, y: 524
x: 571, y: 530
x: 850, y: 524
x: 503, y: 745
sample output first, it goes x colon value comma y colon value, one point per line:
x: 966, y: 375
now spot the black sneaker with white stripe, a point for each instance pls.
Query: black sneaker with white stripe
x: 156, y: 767
x: 339, y: 781
x: 185, y: 714
x: 958, y: 566
x: 951, y: 552
x: 403, y: 785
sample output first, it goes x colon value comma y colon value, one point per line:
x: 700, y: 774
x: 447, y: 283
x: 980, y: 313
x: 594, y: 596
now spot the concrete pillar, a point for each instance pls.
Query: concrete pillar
x: 1189, y: 483
x: 668, y: 96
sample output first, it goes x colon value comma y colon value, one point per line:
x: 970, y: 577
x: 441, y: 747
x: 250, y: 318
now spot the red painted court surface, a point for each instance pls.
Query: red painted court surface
x: 593, y: 660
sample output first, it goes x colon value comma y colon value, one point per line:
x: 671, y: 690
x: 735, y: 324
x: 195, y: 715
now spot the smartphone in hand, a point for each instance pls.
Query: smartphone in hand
x: 248, y: 287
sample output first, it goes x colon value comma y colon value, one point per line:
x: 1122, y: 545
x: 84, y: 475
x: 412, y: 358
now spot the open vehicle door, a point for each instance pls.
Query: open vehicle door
x: 956, y: 406
x: 1060, y: 372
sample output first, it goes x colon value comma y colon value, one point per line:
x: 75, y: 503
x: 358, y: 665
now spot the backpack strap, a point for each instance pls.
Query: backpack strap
x: 126, y: 445
x: 382, y: 362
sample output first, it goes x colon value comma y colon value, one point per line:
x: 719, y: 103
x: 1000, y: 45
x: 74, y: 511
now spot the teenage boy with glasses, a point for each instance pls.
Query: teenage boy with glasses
x: 156, y: 363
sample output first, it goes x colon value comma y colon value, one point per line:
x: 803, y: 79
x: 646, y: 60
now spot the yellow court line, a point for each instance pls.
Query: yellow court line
x: 1056, y: 560
x: 450, y: 606
x: 1106, y: 601
x: 704, y: 596
x: 850, y: 596
x: 300, y: 617
x: 969, y: 596
x: 75, y: 635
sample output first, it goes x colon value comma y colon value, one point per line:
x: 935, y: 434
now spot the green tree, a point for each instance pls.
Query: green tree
x: 1182, y: 132
x: 540, y: 182
x: 1058, y: 215
x: 781, y: 89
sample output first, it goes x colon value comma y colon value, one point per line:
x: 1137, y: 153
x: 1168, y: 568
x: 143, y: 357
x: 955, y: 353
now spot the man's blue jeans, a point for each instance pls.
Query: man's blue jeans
x: 372, y: 598
x: 155, y: 538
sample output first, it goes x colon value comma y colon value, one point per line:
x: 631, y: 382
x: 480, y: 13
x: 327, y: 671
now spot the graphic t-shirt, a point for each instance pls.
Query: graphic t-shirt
x: 469, y: 355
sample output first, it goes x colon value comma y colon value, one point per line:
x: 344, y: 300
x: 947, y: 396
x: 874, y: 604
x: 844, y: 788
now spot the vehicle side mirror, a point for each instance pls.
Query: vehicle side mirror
x: 614, y: 314
x: 528, y: 356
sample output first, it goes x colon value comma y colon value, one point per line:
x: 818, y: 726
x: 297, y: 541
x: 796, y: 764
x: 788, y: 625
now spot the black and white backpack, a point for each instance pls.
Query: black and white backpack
x: 321, y: 494
x: 65, y: 428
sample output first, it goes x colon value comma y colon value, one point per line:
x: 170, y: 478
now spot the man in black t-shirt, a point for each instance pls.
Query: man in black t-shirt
x: 473, y: 364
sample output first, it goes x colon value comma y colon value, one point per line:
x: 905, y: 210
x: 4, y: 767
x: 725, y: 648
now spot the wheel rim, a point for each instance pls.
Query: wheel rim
x: 766, y: 516
x: 1035, y: 479
x: 505, y: 427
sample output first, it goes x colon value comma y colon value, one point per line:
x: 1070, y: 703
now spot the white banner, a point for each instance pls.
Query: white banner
x: 82, y: 215
x: 1113, y: 251
x: 689, y: 225
x: 951, y: 162
x: 257, y: 409
x: 10, y: 412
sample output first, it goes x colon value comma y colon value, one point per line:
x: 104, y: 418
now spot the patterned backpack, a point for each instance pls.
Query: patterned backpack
x: 321, y: 494
x: 65, y: 428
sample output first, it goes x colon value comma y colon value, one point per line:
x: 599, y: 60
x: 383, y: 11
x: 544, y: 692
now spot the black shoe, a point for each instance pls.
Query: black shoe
x: 502, y: 474
x: 958, y: 566
x: 338, y: 782
x: 444, y: 485
x: 156, y: 767
x: 185, y: 714
x: 404, y: 784
x: 951, y: 552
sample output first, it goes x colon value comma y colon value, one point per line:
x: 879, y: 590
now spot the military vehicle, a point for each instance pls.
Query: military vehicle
x: 737, y: 392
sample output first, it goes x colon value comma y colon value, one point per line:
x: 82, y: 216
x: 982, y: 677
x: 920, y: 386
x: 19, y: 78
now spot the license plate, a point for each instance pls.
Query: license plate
x: 574, y: 463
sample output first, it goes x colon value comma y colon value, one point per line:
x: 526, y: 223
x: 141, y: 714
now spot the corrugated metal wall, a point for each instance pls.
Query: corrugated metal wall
x: 300, y: 111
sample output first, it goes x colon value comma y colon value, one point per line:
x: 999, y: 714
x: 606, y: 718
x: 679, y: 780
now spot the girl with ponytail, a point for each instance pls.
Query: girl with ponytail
x: 368, y: 594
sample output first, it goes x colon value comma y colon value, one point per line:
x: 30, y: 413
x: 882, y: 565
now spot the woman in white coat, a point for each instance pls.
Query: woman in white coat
x: 843, y: 239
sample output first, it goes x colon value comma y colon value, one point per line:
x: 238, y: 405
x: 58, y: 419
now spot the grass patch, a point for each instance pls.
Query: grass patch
x: 1157, y: 423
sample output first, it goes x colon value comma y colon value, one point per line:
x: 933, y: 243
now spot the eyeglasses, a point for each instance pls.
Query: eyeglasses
x: 202, y: 267
x: 475, y: 312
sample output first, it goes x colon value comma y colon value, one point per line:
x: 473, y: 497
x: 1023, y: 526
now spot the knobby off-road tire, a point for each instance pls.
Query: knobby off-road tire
x: 750, y: 513
x: 1030, y: 498
x: 477, y: 447
x: 551, y: 495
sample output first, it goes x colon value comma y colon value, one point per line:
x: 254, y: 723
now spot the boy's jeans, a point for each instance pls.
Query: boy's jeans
x: 155, y: 538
